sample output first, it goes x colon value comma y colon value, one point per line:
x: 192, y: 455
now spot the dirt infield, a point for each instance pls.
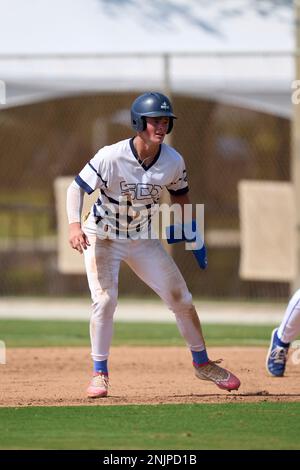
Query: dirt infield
x: 139, y: 375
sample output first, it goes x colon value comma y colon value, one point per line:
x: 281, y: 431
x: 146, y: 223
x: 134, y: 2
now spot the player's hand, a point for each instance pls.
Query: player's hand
x: 201, y: 257
x: 77, y: 238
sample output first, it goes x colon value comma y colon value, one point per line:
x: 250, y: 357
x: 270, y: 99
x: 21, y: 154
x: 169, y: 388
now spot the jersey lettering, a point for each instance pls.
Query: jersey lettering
x: 141, y: 191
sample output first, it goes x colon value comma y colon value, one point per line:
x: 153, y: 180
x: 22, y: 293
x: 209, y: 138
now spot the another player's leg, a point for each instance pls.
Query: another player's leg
x: 283, y: 336
x: 156, y: 268
x: 102, y: 260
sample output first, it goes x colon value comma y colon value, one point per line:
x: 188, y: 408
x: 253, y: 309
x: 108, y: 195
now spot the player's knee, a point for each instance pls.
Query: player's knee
x: 105, y: 302
x: 180, y: 300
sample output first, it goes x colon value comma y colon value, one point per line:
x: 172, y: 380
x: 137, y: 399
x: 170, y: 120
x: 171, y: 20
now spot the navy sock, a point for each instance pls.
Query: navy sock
x: 200, y: 357
x: 101, y: 366
x: 281, y: 343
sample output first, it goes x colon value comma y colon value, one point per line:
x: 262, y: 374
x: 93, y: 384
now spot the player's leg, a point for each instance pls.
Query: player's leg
x: 289, y: 328
x: 155, y: 267
x: 102, y: 261
x: 281, y: 337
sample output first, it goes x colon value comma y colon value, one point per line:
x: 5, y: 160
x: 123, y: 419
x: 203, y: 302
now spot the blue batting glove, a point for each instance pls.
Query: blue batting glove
x: 201, y: 257
x: 176, y: 234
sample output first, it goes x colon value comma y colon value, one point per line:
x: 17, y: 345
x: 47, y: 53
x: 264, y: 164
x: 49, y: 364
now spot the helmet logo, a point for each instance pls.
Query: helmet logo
x: 164, y: 106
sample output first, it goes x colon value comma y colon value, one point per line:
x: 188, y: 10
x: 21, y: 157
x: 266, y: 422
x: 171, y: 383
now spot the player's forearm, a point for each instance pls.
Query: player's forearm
x: 182, y: 201
x: 197, y: 245
x: 75, y: 197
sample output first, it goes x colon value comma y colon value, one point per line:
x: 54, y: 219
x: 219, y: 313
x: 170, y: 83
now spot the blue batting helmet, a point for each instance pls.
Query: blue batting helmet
x: 152, y: 105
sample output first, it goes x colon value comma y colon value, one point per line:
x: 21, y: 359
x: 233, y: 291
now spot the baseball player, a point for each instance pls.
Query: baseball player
x: 282, y: 337
x: 130, y: 176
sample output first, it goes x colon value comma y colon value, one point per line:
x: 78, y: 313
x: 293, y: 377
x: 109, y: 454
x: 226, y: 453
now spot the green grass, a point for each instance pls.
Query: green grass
x: 28, y: 196
x: 29, y: 225
x: 262, y: 425
x: 24, y: 219
x: 195, y: 426
x: 39, y: 333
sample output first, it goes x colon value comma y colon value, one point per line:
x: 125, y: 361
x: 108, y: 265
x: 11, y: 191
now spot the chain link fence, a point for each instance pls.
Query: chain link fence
x: 221, y: 144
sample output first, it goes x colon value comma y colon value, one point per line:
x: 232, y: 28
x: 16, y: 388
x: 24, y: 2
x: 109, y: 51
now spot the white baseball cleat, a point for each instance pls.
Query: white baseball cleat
x: 277, y: 356
x: 98, y: 387
x: 221, y: 377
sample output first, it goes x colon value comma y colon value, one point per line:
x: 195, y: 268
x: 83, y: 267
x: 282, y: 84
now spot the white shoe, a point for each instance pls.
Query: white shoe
x: 99, y: 386
x: 221, y: 377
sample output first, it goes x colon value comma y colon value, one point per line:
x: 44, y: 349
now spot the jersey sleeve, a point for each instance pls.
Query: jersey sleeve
x: 179, y: 184
x: 95, y: 174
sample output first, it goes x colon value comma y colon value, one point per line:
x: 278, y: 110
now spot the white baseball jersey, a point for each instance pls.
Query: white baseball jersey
x: 128, y: 186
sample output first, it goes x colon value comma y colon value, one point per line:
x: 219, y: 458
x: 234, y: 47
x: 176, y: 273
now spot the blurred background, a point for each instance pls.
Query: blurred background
x: 71, y: 70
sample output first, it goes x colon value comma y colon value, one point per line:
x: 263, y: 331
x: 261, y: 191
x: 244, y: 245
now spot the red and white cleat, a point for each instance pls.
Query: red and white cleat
x: 98, y: 387
x: 221, y: 377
